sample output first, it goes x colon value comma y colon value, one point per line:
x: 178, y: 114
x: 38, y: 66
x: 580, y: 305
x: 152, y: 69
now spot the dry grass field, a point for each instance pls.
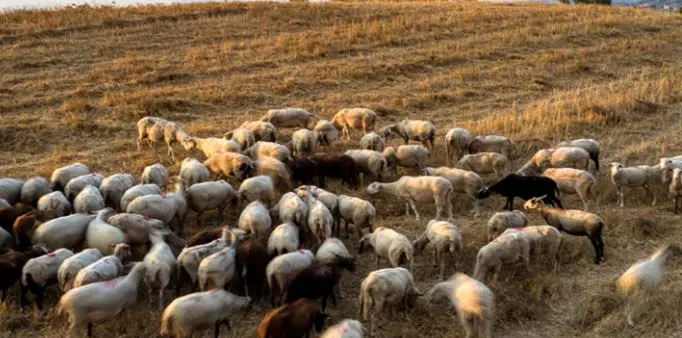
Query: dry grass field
x: 74, y: 82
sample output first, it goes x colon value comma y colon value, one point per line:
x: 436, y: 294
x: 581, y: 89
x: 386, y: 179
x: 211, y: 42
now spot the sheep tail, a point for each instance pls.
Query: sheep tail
x: 371, y: 218
x: 366, y: 302
x: 167, y: 326
x: 593, y: 189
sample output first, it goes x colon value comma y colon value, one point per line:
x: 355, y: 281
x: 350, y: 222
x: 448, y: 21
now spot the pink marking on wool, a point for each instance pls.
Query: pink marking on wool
x: 164, y: 195
x: 334, y: 240
x: 222, y: 253
x: 301, y: 251
x: 110, y: 283
x: 344, y: 329
x: 214, y: 290
x: 51, y: 254
x: 551, y: 150
x: 146, y: 218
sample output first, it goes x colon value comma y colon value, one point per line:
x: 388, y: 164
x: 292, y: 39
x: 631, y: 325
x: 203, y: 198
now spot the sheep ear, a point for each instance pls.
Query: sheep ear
x: 542, y: 197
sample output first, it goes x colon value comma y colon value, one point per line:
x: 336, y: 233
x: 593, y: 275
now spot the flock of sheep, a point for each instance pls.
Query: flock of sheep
x: 79, y: 230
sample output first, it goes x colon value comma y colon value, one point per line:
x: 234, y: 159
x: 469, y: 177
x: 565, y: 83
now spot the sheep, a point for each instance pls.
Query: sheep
x: 356, y: 211
x: 191, y: 256
x: 304, y: 141
x: 329, y: 200
x: 320, y: 219
x: 166, y: 207
x: 354, y: 118
x: 284, y: 239
x: 318, y: 280
x: 408, y: 156
x: 473, y: 301
x: 211, y: 145
x: 252, y: 261
x: 326, y: 132
x: 389, y: 244
x: 10, y: 189
x: 137, y: 191
x: 329, y: 252
x: 508, y: 249
x: 105, y: 268
x: 417, y: 130
x: 574, y: 181
x: 257, y: 188
x: 304, y: 171
x: 292, y: 320
x: 336, y: 166
x: 279, y: 270
x: 675, y: 187
x: 485, y: 163
x: 218, y: 269
x: 347, y: 328
x: 71, y: 266
x: 33, y: 189
x: 456, y: 144
x: 369, y: 162
x: 22, y: 230
x: 6, y: 241
x: 113, y: 187
x: 40, y: 272
x: 156, y: 174
x: 187, y: 314
x: 443, y: 236
x: 242, y: 136
x: 291, y: 208
x: 268, y: 149
x: 262, y: 131
x: 641, y: 281
x: 563, y: 157
x: 288, y: 117
x: 101, y: 301
x: 590, y: 145
x: 501, y: 221
x: 61, y: 176
x: 573, y: 222
x: 644, y: 176
x: 89, y: 200
x: 667, y: 164
x: 278, y: 172
x: 137, y: 229
x: 463, y: 181
x: 393, y: 287
x: 372, y: 141
x: 11, y: 264
x: 76, y: 185
x: 160, y: 265
x: 229, y: 164
x: 418, y: 189
x: 9, y: 215
x: 102, y: 235
x: 192, y: 172
x: 4, y: 204
x: 544, y: 239
x: 525, y: 187
x: 492, y: 143
x: 208, y: 196
x: 63, y: 232
x: 155, y: 129
x: 255, y: 219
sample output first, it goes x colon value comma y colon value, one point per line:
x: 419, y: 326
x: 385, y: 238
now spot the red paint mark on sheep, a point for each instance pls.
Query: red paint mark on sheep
x: 51, y: 254
x: 110, y: 283
x: 146, y: 218
x: 164, y: 195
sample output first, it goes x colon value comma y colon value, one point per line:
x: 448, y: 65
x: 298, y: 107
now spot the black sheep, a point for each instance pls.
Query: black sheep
x: 336, y: 166
x: 11, y: 264
x: 525, y: 187
x: 318, y: 280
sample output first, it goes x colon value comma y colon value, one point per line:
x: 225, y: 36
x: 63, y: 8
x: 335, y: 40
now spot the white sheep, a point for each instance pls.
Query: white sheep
x: 192, y: 172
x: 574, y: 181
x: 288, y: 117
x: 55, y: 203
x: 304, y: 142
x: 369, y: 162
x: 277, y: 170
x: 257, y: 188
x: 155, y: 129
x: 262, y: 131
x: 281, y: 267
x: 105, y: 268
x: 89, y: 200
x: 675, y: 188
x: 160, y: 263
x: 71, y: 266
x: 101, y: 301
x: 372, y: 141
x: 227, y: 164
x: 285, y: 238
x: 347, y: 328
x: 456, y: 144
x: 188, y: 314
x: 136, y: 227
x: 76, y: 185
x: 320, y: 219
x: 270, y: 149
x: 413, y: 189
x: 668, y: 164
x: 41, y: 272
x: 463, y: 181
x: 417, y: 130
x: 4, y: 204
x: 102, y: 235
x: 291, y: 208
x: 641, y: 281
x: 137, y: 191
x: 10, y: 189
x: 61, y: 176
x: 156, y: 174
x: 485, y: 163
x: 33, y: 189
x: 473, y: 301
x: 503, y: 220
x: 330, y: 200
x: 389, y: 244
x: 326, y: 132
x: 544, y: 240
x: 590, y: 145
x: 354, y: 118
x: 356, y: 211
x: 255, y: 219
x: 211, y: 145
x: 165, y: 207
x: 492, y: 143
x: 562, y: 157
x: 329, y: 253
x: 644, y: 176
x: 189, y: 259
x: 443, y: 237
x: 503, y: 250
x: 63, y: 232
x: 113, y: 187
x: 209, y: 196
x: 243, y: 136
x: 408, y: 156
x: 218, y: 269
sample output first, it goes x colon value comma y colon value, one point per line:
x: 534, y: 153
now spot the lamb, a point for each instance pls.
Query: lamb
x: 574, y: 181
x: 230, y: 164
x: 279, y: 270
x: 508, y: 249
x: 89, y: 200
x: 257, y: 188
x: 252, y: 261
x: 389, y: 244
x: 255, y: 219
x: 326, y: 132
x: 473, y: 301
x: 418, y: 189
x: 526, y: 187
x: 485, y: 163
x: 156, y: 174
x: 191, y: 256
x: 101, y: 301
x: 76, y: 185
x: 356, y: 211
x: 33, y: 189
x: 160, y: 265
x: 105, y: 268
x: 492, y: 143
x: 563, y: 157
x: 288, y: 117
x: 71, y: 266
x: 641, y: 281
x: 208, y: 196
x: 463, y: 181
x: 218, y: 269
x: 40, y: 272
x: 278, y: 172
x: 347, y: 328
x: 166, y: 207
x: 644, y: 176
x: 456, y: 144
x: 193, y: 172
x: 61, y: 176
x: 114, y: 187
x: 675, y: 187
x: 573, y: 222
x: 544, y: 239
x: 393, y: 287
x: 501, y: 221
x: 590, y: 145
x: 291, y: 208
x: 408, y: 156
x: 188, y: 314
x: 318, y: 280
x: 268, y: 149
x: 304, y: 141
x: 11, y: 264
x: 354, y: 118
x: 372, y: 141
x: 63, y: 232
x: 155, y: 129
x: 242, y: 136
x: 262, y: 131
x: 284, y: 239
x: 417, y: 130
x: 211, y: 145
x: 137, y: 191
x: 444, y: 237
x: 10, y: 189
x: 369, y: 162
x: 336, y: 166
x: 292, y: 320
x: 102, y: 235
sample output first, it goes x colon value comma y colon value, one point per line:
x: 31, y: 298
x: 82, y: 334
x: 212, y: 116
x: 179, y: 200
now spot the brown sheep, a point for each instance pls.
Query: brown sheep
x: 292, y: 320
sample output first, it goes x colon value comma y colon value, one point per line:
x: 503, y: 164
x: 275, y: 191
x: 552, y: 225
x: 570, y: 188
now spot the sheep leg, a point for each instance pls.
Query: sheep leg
x: 414, y: 208
x: 89, y: 329
x: 216, y: 329
x: 595, y: 244
x: 4, y: 295
x: 199, y: 218
x: 651, y: 192
x: 149, y: 293
x: 376, y: 261
x: 39, y: 298
x: 23, y: 301
x: 435, y: 256
x: 161, y: 297
x: 620, y: 197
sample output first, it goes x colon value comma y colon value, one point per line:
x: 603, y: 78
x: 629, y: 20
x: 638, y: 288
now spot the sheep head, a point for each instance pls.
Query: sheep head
x: 364, y: 241
x: 188, y: 142
x: 534, y: 203
x: 484, y: 193
x: 374, y: 188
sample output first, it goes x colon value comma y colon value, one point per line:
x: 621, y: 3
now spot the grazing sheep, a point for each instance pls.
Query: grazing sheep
x: 201, y: 310
x: 641, y: 281
x: 55, y: 203
x: 155, y: 129
x: 89, y: 200
x: 485, y: 163
x: 252, y: 261
x: 278, y: 172
x: 354, y: 118
x: 156, y: 174
x: 563, y: 157
x: 33, y: 189
x: 288, y: 117
x: 102, y: 235
x: 444, y: 237
x: 11, y: 264
x: 61, y: 176
x: 590, y: 145
x: 262, y: 131
x: 347, y: 328
x: 326, y: 132
x: 255, y: 219
x: 336, y: 166
x: 243, y: 136
x: 372, y: 141
x: 71, y: 266
x: 257, y: 188
x: 304, y: 171
x: 208, y: 196
x: 211, y: 145
x: 573, y: 222
x: 389, y: 244
x: 4, y: 204
x: 544, y: 239
x: 574, y: 181
x: 329, y: 200
x: 284, y: 239
x: 137, y: 191
x: 138, y: 228
x: 105, y: 268
x: 463, y: 181
x: 507, y: 249
x: 473, y: 301
x: 63, y: 232
x: 113, y: 187
x: 191, y: 256
x: 667, y: 164
x: 413, y: 189
x: 492, y: 143
x: 525, y: 187
x: 675, y: 187
x: 318, y: 280
x: 368, y: 162
x: 416, y: 130
x: 160, y: 263
x: 10, y: 189
x: 501, y: 221
x: 76, y: 185
x: 165, y: 207
x: 9, y: 215
x: 291, y: 208
x: 40, y: 272
x: 192, y: 172
x: 101, y: 301
x: 296, y: 319
x: 304, y: 141
x: 218, y: 269
x: 356, y: 211
x: 329, y: 252
x: 408, y: 156
x: 320, y: 219
x: 280, y: 269
x: 644, y: 176
x: 456, y: 144
x: 393, y: 287
x: 268, y: 149
x: 229, y: 164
